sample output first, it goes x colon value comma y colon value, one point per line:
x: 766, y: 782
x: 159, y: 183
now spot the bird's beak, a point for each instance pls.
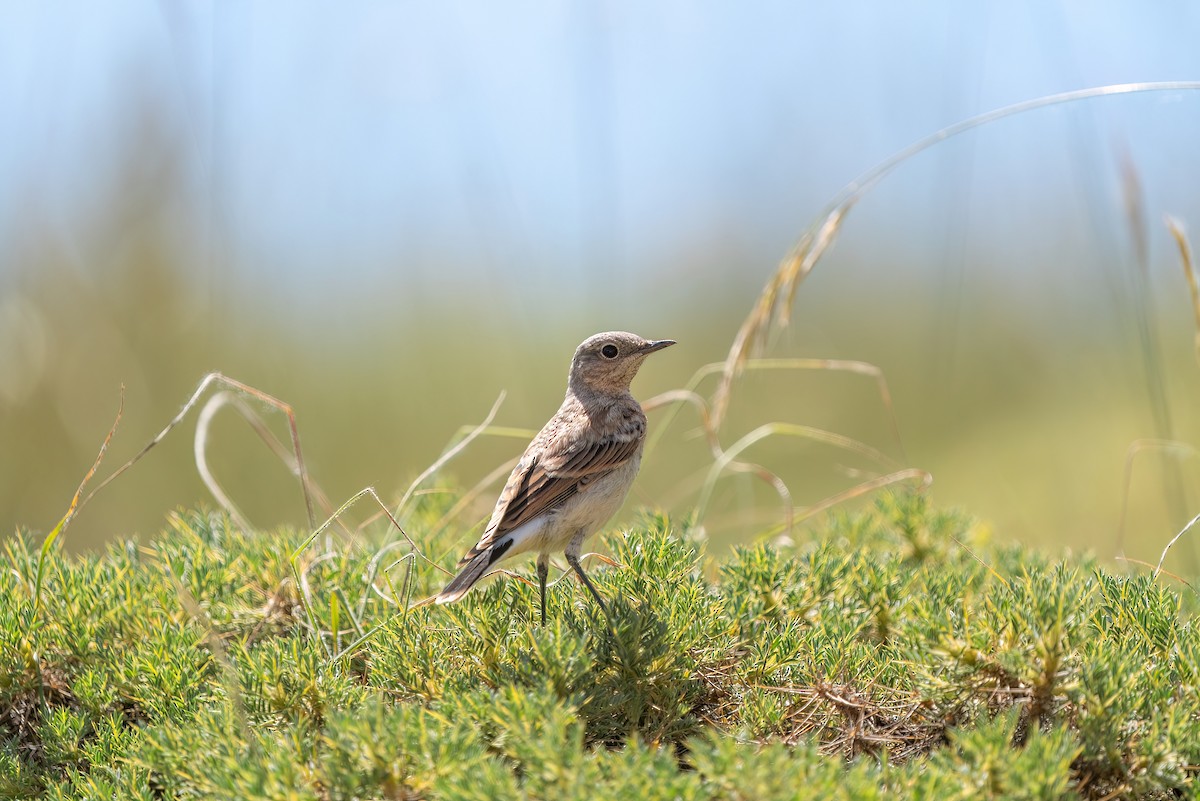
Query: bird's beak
x: 650, y: 347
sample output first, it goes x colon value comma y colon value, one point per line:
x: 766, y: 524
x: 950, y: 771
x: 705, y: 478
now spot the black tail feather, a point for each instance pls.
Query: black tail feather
x: 475, y: 567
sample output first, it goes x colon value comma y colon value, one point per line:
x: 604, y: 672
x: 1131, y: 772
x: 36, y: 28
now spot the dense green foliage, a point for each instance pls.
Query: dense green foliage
x: 892, y: 653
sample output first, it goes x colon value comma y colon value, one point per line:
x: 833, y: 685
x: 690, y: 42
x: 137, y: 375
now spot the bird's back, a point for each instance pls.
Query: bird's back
x: 588, y: 440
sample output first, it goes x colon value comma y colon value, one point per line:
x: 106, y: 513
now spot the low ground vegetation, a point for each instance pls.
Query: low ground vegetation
x: 890, y: 653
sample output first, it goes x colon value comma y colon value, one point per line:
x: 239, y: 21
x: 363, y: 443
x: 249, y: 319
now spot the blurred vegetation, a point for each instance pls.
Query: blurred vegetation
x: 893, y: 653
x: 1022, y: 404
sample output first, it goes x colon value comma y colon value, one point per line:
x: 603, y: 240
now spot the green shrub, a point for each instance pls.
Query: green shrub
x: 892, y: 653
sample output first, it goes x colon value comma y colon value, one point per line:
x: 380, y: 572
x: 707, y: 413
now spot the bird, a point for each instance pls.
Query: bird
x: 575, y: 473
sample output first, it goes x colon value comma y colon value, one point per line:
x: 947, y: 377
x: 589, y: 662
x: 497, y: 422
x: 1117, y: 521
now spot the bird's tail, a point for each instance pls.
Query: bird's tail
x: 472, y: 572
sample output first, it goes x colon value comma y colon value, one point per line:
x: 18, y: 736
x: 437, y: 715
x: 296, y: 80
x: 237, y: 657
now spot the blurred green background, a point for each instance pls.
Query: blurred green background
x: 386, y: 216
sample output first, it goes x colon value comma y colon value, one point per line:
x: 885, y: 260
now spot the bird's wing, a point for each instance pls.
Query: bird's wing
x: 546, y: 478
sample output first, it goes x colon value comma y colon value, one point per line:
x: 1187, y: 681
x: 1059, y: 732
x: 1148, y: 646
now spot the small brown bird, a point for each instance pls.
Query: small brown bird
x: 575, y: 473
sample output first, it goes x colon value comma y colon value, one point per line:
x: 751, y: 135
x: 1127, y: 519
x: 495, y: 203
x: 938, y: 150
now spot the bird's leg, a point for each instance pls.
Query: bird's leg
x: 543, y: 568
x: 572, y: 553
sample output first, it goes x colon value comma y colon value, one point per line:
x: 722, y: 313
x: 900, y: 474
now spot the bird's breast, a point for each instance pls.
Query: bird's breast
x: 602, y: 497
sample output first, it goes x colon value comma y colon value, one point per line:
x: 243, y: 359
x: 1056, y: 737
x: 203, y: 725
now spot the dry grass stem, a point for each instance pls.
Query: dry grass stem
x: 1189, y: 272
x: 471, y: 495
x: 924, y: 477
x: 217, y: 378
x: 775, y: 301
x: 725, y: 459
x: 1181, y: 449
x: 75, y: 505
x: 259, y: 425
x: 1166, y: 573
x: 300, y: 575
x: 1175, y: 539
x: 451, y: 452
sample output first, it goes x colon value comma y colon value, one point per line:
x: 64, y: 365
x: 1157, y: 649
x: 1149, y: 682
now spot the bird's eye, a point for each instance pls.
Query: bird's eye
x: 609, y: 351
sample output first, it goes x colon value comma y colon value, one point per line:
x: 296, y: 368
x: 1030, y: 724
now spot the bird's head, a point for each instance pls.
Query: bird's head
x: 606, y: 363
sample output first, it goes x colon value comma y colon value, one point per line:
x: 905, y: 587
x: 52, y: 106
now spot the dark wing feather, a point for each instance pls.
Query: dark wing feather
x: 545, y: 480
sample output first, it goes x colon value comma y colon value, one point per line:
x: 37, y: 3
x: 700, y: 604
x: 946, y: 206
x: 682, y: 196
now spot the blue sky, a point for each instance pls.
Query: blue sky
x: 542, y: 143
x: 579, y: 167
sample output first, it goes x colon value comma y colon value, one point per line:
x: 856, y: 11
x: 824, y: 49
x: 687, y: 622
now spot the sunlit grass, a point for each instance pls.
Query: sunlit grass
x: 896, y: 652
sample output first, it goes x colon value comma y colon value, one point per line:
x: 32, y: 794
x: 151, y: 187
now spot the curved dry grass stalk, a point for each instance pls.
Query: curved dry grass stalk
x: 1166, y: 573
x: 679, y: 396
x: 1181, y: 449
x: 217, y: 378
x: 259, y: 425
x: 75, y: 505
x: 300, y: 575
x: 499, y: 472
x: 451, y: 452
x: 401, y: 600
x: 458, y: 443
x: 772, y: 480
x: 199, y: 453
x: 727, y: 457
x: 1179, y: 233
x: 718, y: 368
x: 306, y: 596
x: 1171, y: 544
x: 858, y: 490
x: 363, y: 493
x: 396, y: 599
x: 774, y: 303
x: 1149, y: 342
x: 672, y: 399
